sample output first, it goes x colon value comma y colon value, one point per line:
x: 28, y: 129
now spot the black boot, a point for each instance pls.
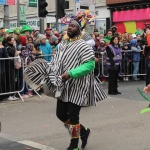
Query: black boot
x: 74, y: 144
x: 117, y: 92
x: 110, y: 92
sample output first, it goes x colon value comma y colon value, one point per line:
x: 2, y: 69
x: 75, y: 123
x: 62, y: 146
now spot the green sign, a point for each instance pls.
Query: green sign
x: 32, y: 3
x: 22, y: 15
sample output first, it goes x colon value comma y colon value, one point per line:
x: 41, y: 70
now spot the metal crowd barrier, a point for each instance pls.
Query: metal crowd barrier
x: 10, y: 78
x: 126, y: 65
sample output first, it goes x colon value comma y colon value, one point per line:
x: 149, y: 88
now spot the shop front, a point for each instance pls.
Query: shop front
x: 102, y: 14
x: 32, y: 22
x: 130, y: 20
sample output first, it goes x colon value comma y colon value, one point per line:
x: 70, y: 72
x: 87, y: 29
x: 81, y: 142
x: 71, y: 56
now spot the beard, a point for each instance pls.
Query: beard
x: 72, y: 34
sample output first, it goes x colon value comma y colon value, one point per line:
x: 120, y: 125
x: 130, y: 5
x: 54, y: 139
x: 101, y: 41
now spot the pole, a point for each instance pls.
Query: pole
x: 18, y: 13
x: 42, y: 25
x: 56, y: 14
x: 6, y: 16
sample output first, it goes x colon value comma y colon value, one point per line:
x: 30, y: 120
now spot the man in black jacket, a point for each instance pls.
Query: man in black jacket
x: 3, y: 54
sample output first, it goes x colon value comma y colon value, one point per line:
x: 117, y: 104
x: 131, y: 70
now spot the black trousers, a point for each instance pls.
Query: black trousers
x: 2, y: 85
x: 112, y: 80
x: 67, y: 110
x: 147, y: 74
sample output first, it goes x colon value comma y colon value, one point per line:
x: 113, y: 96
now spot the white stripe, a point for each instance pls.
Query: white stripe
x: 36, y: 145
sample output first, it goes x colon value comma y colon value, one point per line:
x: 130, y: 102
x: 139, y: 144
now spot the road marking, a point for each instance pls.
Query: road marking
x: 36, y: 145
x: 26, y: 142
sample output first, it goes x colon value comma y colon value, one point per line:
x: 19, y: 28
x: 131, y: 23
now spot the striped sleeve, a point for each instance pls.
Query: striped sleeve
x: 86, y: 53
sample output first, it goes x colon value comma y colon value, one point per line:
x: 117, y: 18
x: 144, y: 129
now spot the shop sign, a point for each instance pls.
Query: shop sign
x: 32, y: 24
x: 10, y: 2
x: 32, y: 3
x: 130, y: 15
x: 7, y: 2
x: 108, y: 2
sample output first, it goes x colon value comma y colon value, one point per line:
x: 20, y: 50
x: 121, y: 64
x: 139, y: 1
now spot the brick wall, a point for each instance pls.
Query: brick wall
x: 108, y: 2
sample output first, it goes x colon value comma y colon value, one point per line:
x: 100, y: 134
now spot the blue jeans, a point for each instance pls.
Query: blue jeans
x: 147, y: 74
x: 135, y: 69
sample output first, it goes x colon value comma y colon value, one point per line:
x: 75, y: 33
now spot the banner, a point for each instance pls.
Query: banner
x: 32, y: 3
x: 10, y: 2
x: 131, y: 15
x: 2, y: 2
x: 22, y: 15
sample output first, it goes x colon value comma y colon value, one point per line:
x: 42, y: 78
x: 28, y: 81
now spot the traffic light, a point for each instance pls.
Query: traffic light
x: 61, y: 6
x: 42, y: 12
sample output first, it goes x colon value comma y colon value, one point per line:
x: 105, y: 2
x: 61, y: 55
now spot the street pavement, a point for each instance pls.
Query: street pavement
x: 116, y: 123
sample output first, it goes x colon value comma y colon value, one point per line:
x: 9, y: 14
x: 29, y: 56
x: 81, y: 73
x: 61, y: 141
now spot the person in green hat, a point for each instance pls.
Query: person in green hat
x: 108, y: 37
x: 16, y: 35
x: 10, y: 32
x: 25, y: 31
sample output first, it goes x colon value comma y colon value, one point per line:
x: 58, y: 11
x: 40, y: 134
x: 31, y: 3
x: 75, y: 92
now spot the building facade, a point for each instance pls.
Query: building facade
x: 101, y: 11
x: 129, y: 15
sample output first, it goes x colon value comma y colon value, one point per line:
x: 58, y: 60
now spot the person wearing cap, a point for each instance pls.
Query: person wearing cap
x: 45, y: 47
x: 135, y: 58
x: 48, y: 33
x: 114, y: 30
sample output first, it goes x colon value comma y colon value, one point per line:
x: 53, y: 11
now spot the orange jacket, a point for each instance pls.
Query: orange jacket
x: 148, y: 39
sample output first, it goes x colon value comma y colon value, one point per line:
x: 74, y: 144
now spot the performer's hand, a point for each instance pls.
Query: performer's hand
x: 147, y: 89
x: 65, y: 77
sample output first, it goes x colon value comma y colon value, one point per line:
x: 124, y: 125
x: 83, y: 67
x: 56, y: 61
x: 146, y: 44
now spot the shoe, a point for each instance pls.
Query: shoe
x: 136, y: 79
x: 70, y: 148
x: 11, y: 98
x: 112, y: 93
x: 85, y: 137
x: 127, y: 79
x: 117, y: 92
x: 124, y: 79
x: 25, y: 96
x: 30, y: 94
x: 16, y: 98
x: 104, y: 82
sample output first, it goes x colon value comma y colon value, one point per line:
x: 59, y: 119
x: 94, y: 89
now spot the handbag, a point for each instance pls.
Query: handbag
x: 17, y: 62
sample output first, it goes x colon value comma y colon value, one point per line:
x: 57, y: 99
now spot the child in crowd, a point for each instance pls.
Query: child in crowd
x: 126, y: 60
x: 135, y: 58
